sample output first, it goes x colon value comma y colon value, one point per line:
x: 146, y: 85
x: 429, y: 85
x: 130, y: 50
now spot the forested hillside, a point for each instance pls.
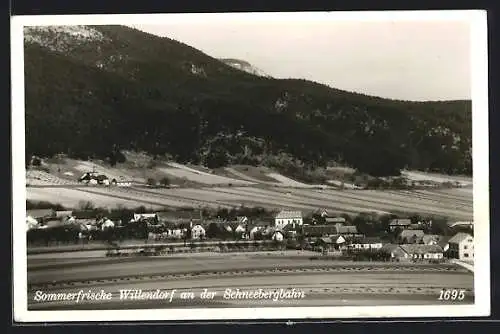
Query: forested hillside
x: 93, y: 91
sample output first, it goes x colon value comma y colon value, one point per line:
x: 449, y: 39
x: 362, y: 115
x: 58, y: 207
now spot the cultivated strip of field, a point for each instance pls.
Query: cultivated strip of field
x: 71, y: 197
x: 245, y: 177
x: 273, y: 196
x: 216, y: 198
x: 201, y: 177
x: 440, y: 178
x: 286, y: 181
x: 41, y: 178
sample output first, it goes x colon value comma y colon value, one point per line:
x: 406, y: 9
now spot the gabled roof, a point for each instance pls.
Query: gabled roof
x: 346, y: 229
x: 84, y: 214
x: 421, y: 249
x: 411, y: 233
x: 288, y: 214
x: 431, y: 237
x: 444, y: 241
x: 459, y: 237
x: 366, y: 240
x: 400, y: 222
x: 320, y: 229
x: 326, y: 240
x: 64, y: 213
x: 333, y: 220
x: 40, y: 213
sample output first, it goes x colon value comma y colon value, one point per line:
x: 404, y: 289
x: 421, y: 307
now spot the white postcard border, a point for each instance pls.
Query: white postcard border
x: 479, y: 87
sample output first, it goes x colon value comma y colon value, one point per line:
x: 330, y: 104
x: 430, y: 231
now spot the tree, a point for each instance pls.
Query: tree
x: 165, y: 181
x: 213, y: 231
x: 151, y: 182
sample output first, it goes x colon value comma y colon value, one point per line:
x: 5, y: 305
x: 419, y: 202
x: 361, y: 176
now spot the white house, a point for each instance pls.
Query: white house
x: 107, y: 224
x: 284, y: 218
x: 278, y: 236
x: 461, y: 246
x: 197, y: 232
x: 31, y: 223
x: 366, y: 244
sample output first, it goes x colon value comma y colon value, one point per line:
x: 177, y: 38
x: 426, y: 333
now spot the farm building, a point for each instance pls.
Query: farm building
x: 366, y: 243
x: 94, y: 178
x: 396, y: 253
x: 399, y: 223
x: 411, y: 236
x: 288, y: 217
x: 121, y: 183
x: 40, y: 214
x: 413, y: 252
x: 461, y: 246
x: 423, y: 252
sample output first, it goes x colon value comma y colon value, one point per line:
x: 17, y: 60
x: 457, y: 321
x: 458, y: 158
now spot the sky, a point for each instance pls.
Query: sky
x: 399, y: 59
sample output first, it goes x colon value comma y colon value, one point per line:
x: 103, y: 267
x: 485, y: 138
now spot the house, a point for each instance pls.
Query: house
x: 461, y: 246
x: 148, y: 217
x: 334, y: 242
x: 292, y: 231
x: 181, y: 216
x: 410, y: 236
x: 319, y: 230
x: 415, y: 252
x: 40, y: 214
x: 254, y: 228
x: 395, y: 251
x: 121, y: 183
x: 31, y: 223
x: 423, y: 252
x: 366, y: 243
x: 335, y: 220
x: 346, y: 229
x: 277, y: 236
x: 431, y: 239
x: 64, y: 214
x: 197, y: 232
x: 107, y: 224
x: 444, y: 243
x: 399, y: 223
x: 288, y: 217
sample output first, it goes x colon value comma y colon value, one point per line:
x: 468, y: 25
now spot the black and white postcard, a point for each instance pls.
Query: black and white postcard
x: 326, y: 165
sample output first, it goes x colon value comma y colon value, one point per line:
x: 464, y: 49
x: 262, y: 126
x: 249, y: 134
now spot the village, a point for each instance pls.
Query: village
x: 335, y: 236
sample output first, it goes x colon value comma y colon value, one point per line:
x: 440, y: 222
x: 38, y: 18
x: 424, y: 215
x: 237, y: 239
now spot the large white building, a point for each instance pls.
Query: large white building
x: 461, y: 246
x: 284, y: 218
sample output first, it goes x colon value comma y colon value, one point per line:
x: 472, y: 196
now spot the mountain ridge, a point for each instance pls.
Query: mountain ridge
x: 137, y: 83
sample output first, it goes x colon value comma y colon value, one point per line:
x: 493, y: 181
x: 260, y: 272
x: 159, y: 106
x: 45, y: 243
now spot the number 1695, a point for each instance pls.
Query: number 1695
x: 451, y: 294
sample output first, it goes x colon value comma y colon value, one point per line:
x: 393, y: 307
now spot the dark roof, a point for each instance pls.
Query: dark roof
x: 346, y: 229
x: 366, y: 240
x: 421, y: 249
x: 400, y: 222
x: 320, y: 230
x: 333, y: 220
x: 411, y: 233
x: 459, y: 237
x: 40, y: 213
x: 84, y: 214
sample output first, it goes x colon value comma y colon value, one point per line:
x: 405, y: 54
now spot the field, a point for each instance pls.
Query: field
x: 239, y: 185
